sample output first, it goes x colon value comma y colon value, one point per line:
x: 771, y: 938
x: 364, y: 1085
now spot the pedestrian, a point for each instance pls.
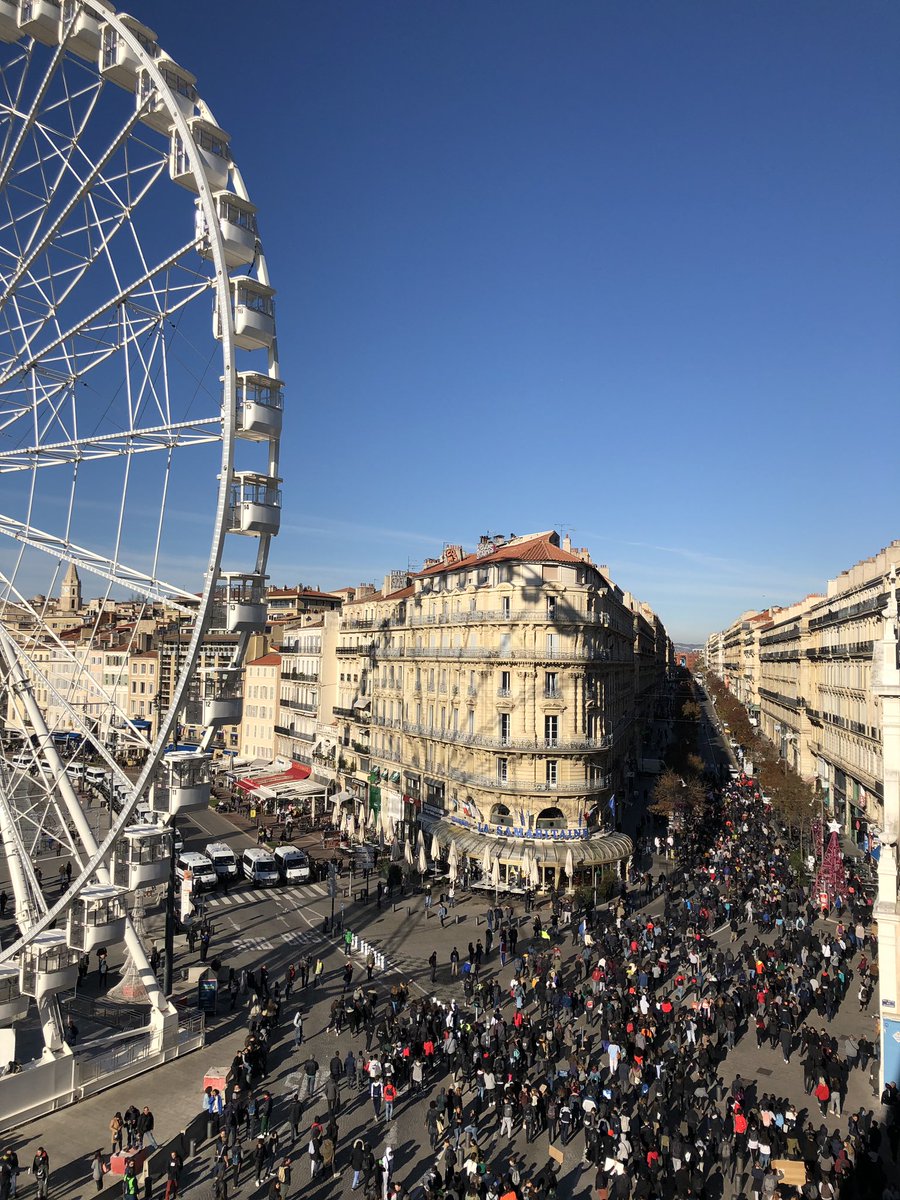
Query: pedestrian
x: 298, y: 1029
x: 40, y: 1169
x: 129, y: 1183
x: 173, y: 1175
x: 98, y: 1169
x: 145, y: 1123
x: 432, y: 962
x: 116, y: 1133
x: 454, y: 962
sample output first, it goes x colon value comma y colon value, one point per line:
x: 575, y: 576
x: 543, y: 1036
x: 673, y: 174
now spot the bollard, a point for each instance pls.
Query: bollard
x: 193, y: 1147
x: 210, y: 1130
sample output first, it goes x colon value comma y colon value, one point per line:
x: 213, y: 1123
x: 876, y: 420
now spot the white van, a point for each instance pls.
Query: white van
x: 75, y: 771
x: 222, y: 858
x: 259, y: 867
x: 23, y: 762
x: 98, y: 777
x: 293, y: 865
x: 200, y: 867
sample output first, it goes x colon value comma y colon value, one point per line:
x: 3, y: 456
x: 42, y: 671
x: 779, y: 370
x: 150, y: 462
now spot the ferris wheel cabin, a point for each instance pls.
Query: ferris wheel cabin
x: 142, y: 856
x: 213, y: 147
x: 181, y: 85
x: 253, y: 304
x: 84, y: 28
x: 260, y: 404
x: 255, y: 504
x: 237, y: 223
x: 118, y: 62
x: 189, y: 781
x: 9, y: 21
x: 97, y: 918
x: 240, y: 605
x: 13, y: 1005
x: 40, y: 19
x: 47, y: 964
x: 223, y: 703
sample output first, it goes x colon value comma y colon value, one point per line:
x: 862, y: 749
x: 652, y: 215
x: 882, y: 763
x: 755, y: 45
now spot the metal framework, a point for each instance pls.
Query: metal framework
x: 120, y: 353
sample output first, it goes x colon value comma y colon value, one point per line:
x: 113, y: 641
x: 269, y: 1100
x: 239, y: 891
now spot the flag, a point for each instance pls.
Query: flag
x: 612, y: 804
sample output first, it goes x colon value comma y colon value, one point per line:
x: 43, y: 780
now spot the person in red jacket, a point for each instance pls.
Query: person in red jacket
x: 823, y: 1094
x: 389, y: 1095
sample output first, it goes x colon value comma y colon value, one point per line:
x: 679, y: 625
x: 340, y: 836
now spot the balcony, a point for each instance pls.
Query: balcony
x: 299, y: 677
x: 300, y: 706
x: 363, y: 649
x: 504, y: 693
x: 524, y: 745
x: 552, y: 693
x: 584, y: 787
x: 348, y: 713
x: 490, y: 652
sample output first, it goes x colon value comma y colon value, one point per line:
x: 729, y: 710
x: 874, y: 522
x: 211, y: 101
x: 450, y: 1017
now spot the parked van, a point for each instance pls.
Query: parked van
x: 222, y: 858
x: 259, y: 867
x: 75, y: 771
x: 23, y: 762
x: 97, y: 777
x: 202, y: 869
x: 293, y: 865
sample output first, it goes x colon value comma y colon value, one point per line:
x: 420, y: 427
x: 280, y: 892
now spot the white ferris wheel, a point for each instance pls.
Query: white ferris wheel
x: 140, y: 416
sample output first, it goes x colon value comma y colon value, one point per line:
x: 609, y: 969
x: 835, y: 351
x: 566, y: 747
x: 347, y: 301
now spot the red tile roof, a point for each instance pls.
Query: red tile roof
x: 539, y: 549
x: 266, y: 660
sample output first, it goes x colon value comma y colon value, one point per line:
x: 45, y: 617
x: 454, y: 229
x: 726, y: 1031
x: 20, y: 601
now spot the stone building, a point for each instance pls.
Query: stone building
x: 500, y: 698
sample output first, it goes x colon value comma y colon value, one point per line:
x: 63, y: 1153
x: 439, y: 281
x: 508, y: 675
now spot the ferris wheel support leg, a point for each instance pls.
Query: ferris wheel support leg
x: 163, y: 1013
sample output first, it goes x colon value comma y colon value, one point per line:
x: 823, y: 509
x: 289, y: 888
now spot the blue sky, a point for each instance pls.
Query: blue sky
x: 626, y: 267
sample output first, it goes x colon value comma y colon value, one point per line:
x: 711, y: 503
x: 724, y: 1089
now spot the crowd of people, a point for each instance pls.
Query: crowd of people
x: 614, y: 1023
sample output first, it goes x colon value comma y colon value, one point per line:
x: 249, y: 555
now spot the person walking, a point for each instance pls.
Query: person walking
x: 40, y: 1169
x: 311, y: 1069
x: 98, y: 1170
x: 389, y: 1095
x: 130, y: 1183
x: 298, y: 1029
x: 173, y: 1175
x: 432, y: 962
x: 357, y: 1161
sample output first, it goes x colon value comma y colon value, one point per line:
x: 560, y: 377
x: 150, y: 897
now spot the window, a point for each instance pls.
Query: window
x: 504, y: 645
x: 505, y: 688
x: 551, y: 685
x: 505, y: 721
x: 431, y: 680
x: 431, y: 716
x: 551, y: 730
x: 502, y: 770
x: 470, y: 724
x: 143, y: 668
x: 552, y: 772
x: 443, y: 717
x: 505, y: 605
x: 550, y: 571
x: 552, y: 644
x: 455, y: 720
x: 551, y: 608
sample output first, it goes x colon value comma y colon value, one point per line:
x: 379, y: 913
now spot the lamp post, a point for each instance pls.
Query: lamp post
x: 170, y: 913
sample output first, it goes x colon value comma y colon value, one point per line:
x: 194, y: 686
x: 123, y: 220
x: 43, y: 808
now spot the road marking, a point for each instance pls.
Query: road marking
x: 256, y: 944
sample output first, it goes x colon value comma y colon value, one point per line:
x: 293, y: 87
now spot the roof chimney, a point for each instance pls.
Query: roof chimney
x: 567, y: 544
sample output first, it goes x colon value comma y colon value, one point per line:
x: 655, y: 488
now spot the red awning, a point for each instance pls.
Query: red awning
x: 292, y: 774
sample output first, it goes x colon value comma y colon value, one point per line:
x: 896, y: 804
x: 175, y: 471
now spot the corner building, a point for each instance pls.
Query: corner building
x: 500, y: 699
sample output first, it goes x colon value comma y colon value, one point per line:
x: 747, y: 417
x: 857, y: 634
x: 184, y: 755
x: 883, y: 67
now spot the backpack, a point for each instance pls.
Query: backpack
x: 515, y: 1176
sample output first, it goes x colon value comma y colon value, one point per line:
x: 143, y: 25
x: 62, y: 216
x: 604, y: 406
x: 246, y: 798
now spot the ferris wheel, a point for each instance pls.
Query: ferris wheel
x: 140, y: 416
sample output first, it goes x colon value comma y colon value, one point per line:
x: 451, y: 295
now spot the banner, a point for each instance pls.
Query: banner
x: 187, y: 895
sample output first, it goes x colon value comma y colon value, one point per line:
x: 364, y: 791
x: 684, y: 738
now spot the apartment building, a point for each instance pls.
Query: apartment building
x: 305, y: 729
x: 286, y: 604
x: 499, y: 696
x: 814, y: 678
x: 262, y: 697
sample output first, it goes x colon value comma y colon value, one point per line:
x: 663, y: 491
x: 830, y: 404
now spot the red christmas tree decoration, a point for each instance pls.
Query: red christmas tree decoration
x: 831, y: 880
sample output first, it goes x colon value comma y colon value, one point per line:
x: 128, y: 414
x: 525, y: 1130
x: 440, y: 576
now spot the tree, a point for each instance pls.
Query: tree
x: 690, y: 711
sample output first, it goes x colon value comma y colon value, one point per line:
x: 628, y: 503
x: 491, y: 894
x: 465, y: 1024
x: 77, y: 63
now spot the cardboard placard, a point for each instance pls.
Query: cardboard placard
x: 556, y: 1155
x: 792, y: 1171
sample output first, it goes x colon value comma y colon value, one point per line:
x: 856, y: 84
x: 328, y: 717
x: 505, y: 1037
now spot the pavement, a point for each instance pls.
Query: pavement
x: 275, y: 927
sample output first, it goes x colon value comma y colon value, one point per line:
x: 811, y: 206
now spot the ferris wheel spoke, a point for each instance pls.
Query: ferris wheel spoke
x: 117, y: 573
x: 179, y: 435
x: 29, y: 118
x: 33, y: 251
x: 94, y: 340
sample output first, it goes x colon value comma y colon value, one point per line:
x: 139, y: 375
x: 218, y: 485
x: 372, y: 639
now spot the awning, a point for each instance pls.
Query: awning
x: 292, y: 774
x: 342, y: 798
x: 395, y: 776
x: 139, y: 723
x: 362, y: 702
x: 600, y: 850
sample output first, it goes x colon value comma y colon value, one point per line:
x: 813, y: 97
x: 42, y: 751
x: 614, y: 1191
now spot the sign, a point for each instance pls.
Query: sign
x: 187, y: 895
x: 364, y: 858
x: 207, y: 994
x: 791, y: 1171
x: 558, y: 1156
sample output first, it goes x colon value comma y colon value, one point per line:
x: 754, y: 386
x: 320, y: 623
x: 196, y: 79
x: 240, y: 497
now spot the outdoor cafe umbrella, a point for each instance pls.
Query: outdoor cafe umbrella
x: 486, y: 862
x: 534, y: 875
x: 453, y: 862
x: 435, y: 847
x: 395, y: 851
x: 423, y: 861
x: 527, y: 860
x: 408, y: 855
x: 495, y: 873
x: 387, y: 825
x: 373, y: 819
x: 570, y: 866
x: 420, y: 841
